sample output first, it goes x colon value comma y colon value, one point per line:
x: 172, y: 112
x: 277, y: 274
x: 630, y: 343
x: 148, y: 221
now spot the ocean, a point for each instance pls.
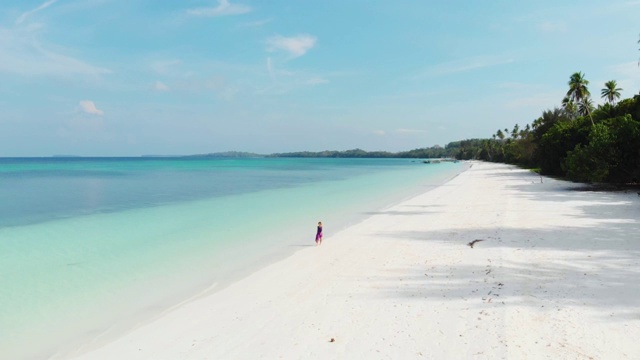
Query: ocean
x: 92, y: 247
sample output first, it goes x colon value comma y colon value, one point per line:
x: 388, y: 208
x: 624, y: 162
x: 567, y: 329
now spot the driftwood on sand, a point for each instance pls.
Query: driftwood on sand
x: 474, y: 242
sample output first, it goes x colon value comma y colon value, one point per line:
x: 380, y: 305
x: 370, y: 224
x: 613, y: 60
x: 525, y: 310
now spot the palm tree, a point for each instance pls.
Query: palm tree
x: 579, y: 92
x: 515, y: 131
x: 586, y: 107
x: 569, y: 107
x: 610, y: 92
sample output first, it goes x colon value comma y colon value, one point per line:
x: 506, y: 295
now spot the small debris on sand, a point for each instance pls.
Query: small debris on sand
x: 474, y: 242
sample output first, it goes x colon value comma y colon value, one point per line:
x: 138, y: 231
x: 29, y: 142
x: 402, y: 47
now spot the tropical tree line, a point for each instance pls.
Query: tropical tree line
x: 450, y: 151
x: 577, y: 140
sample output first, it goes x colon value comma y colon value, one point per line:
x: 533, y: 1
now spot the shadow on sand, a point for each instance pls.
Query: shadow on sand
x: 596, y: 265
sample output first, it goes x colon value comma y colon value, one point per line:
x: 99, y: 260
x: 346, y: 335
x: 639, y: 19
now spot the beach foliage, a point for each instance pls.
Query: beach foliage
x: 611, y: 91
x: 577, y: 140
x: 579, y: 94
x: 594, y: 145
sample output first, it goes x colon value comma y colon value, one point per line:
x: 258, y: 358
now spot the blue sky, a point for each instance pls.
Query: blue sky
x: 134, y: 77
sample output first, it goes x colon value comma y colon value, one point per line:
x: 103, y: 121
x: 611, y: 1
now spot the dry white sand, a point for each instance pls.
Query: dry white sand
x: 555, y: 277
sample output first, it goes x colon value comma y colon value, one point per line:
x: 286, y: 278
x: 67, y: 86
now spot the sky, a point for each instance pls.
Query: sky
x: 143, y: 77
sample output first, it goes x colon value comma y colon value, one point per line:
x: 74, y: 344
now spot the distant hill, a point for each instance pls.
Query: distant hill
x: 227, y: 154
x: 436, y: 151
x: 355, y: 153
x: 431, y: 152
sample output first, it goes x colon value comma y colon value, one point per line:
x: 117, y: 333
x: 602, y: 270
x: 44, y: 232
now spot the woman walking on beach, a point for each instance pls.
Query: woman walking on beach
x: 319, y: 234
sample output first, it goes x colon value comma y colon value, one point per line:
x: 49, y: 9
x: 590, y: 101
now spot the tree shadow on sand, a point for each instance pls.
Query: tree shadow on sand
x: 594, y: 265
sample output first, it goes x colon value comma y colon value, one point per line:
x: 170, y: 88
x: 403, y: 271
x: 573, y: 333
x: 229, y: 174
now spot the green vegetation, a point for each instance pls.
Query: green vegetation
x: 611, y: 92
x: 432, y: 152
x: 577, y: 141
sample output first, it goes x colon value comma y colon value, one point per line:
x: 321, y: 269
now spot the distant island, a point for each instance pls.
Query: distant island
x: 449, y: 151
x: 227, y: 154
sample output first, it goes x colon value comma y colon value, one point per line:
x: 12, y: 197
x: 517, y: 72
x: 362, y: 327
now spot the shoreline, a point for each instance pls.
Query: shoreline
x: 404, y: 283
x: 135, y: 284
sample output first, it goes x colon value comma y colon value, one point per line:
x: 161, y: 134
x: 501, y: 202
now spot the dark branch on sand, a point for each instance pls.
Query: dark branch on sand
x: 474, y: 242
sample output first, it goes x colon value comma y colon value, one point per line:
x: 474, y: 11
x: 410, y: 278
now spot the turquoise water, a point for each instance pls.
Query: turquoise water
x: 92, y: 247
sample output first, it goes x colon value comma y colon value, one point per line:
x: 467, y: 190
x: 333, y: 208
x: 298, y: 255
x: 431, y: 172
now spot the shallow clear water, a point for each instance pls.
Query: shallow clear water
x: 90, y: 247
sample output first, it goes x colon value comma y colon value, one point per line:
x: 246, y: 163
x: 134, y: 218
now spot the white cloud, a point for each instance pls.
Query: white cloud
x: 317, y: 81
x: 403, y: 131
x: 29, y: 58
x: 519, y: 86
x: 223, y: 8
x: 160, y: 86
x: 257, y: 23
x: 628, y: 69
x: 22, y: 52
x: 296, y: 45
x: 551, y: 27
x: 284, y: 81
x: 22, y: 18
x: 463, y: 65
x: 379, y: 132
x: 270, y: 68
x: 536, y: 101
x: 164, y: 67
x: 89, y: 107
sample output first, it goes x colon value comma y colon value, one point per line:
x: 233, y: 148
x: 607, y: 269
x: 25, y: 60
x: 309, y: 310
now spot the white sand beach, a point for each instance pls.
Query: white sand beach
x: 555, y: 277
